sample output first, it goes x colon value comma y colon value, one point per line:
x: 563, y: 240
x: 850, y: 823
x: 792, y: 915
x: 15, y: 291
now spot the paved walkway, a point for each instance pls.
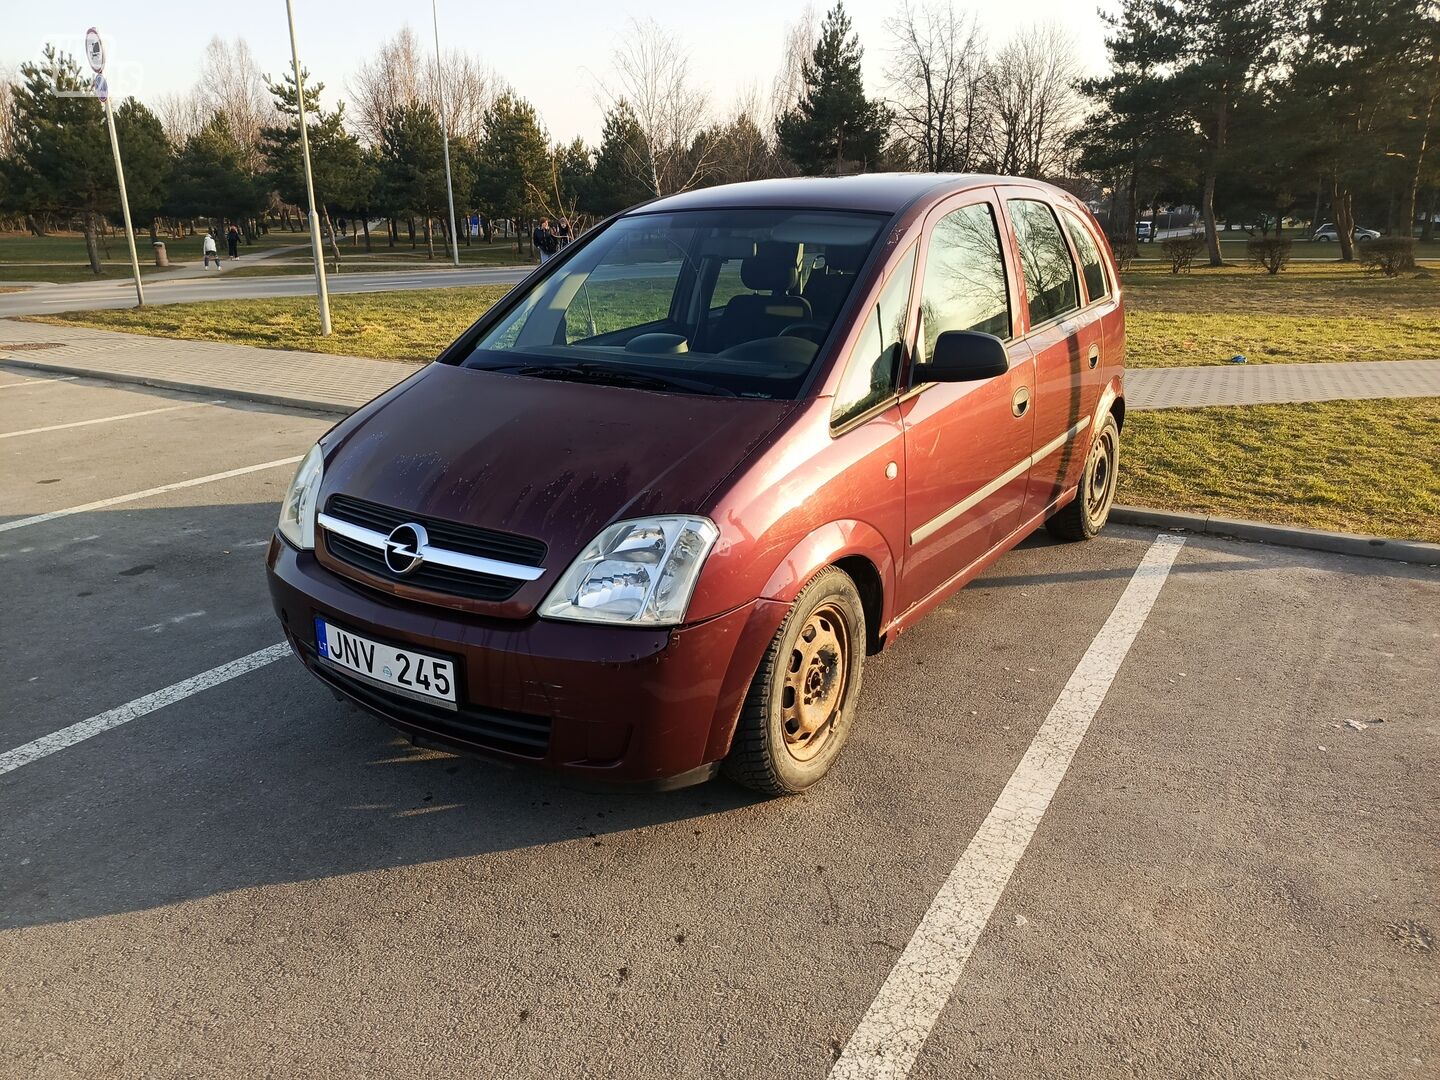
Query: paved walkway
x: 340, y: 383
x: 1259, y: 384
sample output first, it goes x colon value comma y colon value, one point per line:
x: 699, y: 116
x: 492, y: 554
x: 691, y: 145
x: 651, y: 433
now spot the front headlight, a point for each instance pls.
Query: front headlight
x: 297, y: 512
x: 635, y: 572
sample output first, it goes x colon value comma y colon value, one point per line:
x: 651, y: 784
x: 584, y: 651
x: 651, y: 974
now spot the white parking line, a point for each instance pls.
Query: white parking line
x: 32, y: 382
x: 101, y: 504
x: 105, y: 419
x: 892, y: 1032
x: 133, y: 710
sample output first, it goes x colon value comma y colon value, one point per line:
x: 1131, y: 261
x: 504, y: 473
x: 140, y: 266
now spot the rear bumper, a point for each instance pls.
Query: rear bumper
x: 603, y: 704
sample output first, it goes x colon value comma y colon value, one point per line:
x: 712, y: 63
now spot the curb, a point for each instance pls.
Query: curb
x: 331, y: 408
x: 1367, y: 547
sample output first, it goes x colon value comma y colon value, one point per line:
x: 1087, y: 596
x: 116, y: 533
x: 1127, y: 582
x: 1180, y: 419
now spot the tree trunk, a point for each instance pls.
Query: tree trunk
x: 1344, y: 223
x: 1427, y: 233
x: 329, y: 228
x: 410, y: 224
x: 365, y: 224
x: 92, y: 245
x: 1207, y: 203
x: 429, y: 239
x: 33, y: 226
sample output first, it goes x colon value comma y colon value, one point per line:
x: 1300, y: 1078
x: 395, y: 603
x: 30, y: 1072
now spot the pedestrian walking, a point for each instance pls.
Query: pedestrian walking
x: 545, y: 241
x: 233, y: 239
x: 210, y: 251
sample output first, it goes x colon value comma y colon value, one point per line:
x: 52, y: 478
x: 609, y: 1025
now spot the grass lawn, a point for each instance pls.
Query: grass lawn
x: 1309, y: 313
x: 413, y: 325
x: 63, y: 273
x: 1353, y: 466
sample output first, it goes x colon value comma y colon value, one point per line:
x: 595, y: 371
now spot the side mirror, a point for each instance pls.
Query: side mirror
x: 964, y: 356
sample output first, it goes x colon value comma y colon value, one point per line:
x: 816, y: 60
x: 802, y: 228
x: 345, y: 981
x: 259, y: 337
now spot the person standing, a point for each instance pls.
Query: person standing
x: 562, y: 234
x: 233, y: 239
x: 209, y: 251
x: 544, y: 240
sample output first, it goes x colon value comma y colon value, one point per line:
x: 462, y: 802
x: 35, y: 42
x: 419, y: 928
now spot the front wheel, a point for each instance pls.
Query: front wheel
x: 801, y: 703
x: 1086, y: 514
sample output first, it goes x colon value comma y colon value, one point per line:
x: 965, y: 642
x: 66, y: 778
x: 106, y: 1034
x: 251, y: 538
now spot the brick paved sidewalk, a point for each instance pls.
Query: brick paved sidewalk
x: 340, y: 383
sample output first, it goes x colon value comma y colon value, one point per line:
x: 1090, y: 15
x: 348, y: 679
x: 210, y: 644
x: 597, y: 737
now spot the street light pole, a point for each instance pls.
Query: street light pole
x: 124, y: 201
x: 445, y: 134
x: 322, y: 291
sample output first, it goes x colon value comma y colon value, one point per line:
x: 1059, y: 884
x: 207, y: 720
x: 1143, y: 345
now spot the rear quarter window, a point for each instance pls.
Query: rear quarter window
x: 1050, y: 283
x: 1092, y: 264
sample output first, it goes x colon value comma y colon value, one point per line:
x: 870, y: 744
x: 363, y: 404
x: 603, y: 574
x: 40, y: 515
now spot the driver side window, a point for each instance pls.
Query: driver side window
x: 873, y: 370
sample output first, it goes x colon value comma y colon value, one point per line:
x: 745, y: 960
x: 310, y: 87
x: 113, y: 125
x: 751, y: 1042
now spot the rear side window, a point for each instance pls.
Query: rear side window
x: 1044, y: 260
x: 1091, y: 264
x: 873, y: 370
x: 964, y: 286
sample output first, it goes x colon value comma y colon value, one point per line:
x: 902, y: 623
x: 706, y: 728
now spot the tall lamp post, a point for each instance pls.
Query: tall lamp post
x: 322, y: 291
x: 445, y: 135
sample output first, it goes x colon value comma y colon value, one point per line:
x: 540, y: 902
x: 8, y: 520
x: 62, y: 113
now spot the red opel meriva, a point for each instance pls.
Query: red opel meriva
x: 645, y: 519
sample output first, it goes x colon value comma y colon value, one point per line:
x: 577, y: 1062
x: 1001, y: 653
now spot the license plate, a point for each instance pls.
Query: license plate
x: 403, y: 671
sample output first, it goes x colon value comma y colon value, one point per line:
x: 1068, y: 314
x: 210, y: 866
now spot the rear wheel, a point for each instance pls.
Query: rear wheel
x: 798, y: 712
x: 1087, y: 513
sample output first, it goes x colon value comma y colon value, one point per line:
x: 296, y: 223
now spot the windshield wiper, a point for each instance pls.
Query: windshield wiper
x: 605, y: 375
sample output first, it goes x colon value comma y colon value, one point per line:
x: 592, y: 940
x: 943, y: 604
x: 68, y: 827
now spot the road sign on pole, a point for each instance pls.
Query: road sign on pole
x: 445, y: 134
x: 95, y: 54
x: 322, y: 290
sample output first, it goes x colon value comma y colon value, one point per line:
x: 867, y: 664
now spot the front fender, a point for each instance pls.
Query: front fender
x: 829, y: 544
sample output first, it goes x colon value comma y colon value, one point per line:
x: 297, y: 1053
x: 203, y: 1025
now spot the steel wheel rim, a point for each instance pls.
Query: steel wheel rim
x: 1100, y: 477
x: 817, y: 678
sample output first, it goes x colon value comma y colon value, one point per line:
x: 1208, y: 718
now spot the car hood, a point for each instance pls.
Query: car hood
x: 542, y: 458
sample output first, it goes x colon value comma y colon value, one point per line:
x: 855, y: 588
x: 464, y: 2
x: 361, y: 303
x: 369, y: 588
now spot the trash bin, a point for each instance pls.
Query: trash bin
x: 161, y: 259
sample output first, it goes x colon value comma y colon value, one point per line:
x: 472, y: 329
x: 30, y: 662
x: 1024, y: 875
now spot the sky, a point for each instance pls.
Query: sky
x: 554, y: 59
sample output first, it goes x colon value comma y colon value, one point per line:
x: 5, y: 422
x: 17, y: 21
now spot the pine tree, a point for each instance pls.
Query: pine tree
x: 62, y: 151
x: 835, y: 128
x: 620, y: 164
x: 336, y: 162
x: 511, y: 161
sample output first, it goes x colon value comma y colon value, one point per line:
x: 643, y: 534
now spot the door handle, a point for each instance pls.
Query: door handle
x: 1094, y: 356
x: 1020, y: 401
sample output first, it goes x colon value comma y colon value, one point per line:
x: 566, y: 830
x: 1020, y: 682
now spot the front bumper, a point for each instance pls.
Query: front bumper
x: 615, y: 704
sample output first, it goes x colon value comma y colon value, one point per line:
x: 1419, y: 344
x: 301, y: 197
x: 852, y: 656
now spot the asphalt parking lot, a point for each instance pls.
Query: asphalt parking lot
x: 250, y: 880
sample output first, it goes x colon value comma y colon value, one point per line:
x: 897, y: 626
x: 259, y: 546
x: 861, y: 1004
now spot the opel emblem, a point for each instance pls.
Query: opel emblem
x: 404, y: 548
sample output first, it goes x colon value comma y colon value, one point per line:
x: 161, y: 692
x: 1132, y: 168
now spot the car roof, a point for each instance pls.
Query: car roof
x: 875, y: 192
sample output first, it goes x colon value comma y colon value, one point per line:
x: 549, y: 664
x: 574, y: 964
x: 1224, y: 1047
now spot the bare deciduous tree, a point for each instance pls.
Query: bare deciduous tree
x: 181, y: 115
x: 652, y: 74
x: 800, y: 37
x: 231, y: 83
x: 402, y: 72
x: 7, y: 116
x: 1035, y: 103
x: 743, y: 147
x: 938, y: 75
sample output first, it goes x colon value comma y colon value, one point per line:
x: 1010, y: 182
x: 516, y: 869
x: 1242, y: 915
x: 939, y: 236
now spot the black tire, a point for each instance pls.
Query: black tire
x: 1086, y: 514
x: 776, y: 750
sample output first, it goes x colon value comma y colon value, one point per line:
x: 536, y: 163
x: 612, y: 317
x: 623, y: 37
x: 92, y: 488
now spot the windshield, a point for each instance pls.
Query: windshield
x: 711, y: 301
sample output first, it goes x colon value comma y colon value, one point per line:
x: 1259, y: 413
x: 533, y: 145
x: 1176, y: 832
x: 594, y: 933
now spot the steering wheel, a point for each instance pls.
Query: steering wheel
x: 810, y: 330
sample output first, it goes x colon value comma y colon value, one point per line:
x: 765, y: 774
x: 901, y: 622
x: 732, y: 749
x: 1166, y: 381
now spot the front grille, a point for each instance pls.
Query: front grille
x: 467, y: 539
x: 522, y: 734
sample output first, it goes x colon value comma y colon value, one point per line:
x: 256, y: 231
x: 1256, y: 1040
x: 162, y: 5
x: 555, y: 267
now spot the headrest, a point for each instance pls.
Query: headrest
x: 844, y: 260
x: 775, y: 267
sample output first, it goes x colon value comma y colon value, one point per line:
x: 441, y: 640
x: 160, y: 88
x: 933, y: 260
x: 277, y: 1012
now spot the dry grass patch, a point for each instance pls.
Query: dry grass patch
x: 1351, y: 466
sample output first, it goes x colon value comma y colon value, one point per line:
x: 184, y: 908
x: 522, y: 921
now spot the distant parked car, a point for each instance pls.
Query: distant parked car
x: 1145, y: 232
x: 1327, y: 232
